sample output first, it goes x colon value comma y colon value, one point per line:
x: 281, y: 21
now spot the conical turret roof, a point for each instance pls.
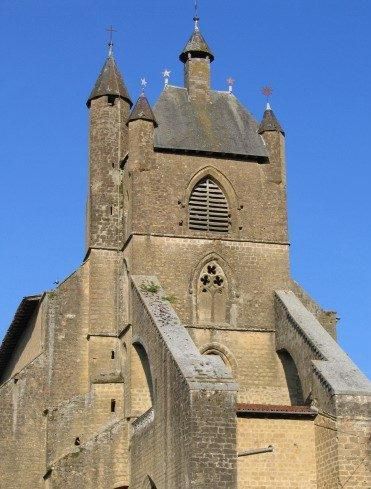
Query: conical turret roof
x: 197, y: 47
x: 110, y: 82
x: 142, y: 110
x: 270, y: 122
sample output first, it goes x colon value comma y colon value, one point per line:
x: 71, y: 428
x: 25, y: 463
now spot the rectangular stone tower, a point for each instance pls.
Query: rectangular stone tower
x: 181, y: 354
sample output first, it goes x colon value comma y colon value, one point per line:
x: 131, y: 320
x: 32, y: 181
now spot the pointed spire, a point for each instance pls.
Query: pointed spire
x: 196, y: 47
x: 270, y: 122
x: 142, y: 111
x: 110, y: 81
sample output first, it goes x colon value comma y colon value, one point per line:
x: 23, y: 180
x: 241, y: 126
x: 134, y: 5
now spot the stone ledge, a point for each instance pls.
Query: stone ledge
x: 270, y: 410
x: 200, y: 372
x: 331, y: 364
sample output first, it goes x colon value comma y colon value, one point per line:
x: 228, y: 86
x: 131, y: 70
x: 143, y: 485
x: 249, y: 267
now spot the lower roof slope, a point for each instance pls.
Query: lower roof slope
x: 222, y: 125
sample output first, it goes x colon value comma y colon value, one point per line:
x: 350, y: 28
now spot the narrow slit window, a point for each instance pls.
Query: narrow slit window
x: 113, y: 405
x: 112, y: 354
x: 208, y: 208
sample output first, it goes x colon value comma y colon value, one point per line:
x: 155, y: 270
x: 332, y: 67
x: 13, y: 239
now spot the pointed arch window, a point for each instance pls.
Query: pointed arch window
x: 212, y: 295
x: 208, y: 207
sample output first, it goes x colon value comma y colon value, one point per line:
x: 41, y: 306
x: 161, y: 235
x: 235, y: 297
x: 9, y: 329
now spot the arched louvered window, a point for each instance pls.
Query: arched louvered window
x: 208, y: 208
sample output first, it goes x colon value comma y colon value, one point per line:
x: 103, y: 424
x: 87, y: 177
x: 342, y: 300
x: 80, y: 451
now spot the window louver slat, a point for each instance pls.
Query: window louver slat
x: 208, y: 208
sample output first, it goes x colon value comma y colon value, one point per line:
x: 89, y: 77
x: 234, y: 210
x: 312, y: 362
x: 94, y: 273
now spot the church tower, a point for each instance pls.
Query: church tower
x: 181, y: 354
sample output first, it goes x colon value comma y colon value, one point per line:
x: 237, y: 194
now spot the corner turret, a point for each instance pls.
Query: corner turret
x: 141, y: 123
x: 270, y: 122
x: 142, y: 111
x: 274, y: 137
x: 109, y: 83
x: 109, y: 104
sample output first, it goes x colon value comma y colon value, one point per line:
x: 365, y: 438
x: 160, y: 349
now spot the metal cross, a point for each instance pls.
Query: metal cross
x: 196, y: 18
x: 111, y: 30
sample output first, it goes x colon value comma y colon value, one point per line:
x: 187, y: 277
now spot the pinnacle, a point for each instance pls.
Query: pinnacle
x: 270, y: 122
x: 197, y: 47
x: 110, y: 82
x: 142, y: 111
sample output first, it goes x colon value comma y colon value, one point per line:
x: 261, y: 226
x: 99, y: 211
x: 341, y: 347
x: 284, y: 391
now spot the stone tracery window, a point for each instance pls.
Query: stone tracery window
x: 208, y: 207
x: 212, y: 294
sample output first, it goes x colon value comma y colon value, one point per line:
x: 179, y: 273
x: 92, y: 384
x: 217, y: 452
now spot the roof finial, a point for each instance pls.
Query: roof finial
x: 111, y: 30
x: 166, y: 74
x: 144, y: 84
x: 196, y: 18
x: 267, y: 92
x: 231, y: 83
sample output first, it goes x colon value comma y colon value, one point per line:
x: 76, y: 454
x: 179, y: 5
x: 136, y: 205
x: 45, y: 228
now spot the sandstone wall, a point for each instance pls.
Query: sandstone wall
x: 292, y: 464
x: 159, y: 197
x: 341, y: 393
x: 23, y: 427
x: 188, y: 437
x: 253, y: 271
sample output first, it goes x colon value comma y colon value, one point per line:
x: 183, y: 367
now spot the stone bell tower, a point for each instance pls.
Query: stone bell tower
x: 181, y: 354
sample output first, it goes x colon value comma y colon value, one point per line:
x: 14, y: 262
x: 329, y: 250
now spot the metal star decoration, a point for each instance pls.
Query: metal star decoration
x: 231, y: 83
x: 166, y: 74
x: 143, y: 83
x: 267, y: 91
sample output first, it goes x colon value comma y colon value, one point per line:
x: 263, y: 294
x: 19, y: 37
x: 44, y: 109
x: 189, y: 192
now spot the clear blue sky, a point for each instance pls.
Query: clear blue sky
x: 316, y: 55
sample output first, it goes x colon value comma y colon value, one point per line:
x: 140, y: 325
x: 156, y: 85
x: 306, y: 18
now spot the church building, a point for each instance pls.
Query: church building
x: 181, y: 354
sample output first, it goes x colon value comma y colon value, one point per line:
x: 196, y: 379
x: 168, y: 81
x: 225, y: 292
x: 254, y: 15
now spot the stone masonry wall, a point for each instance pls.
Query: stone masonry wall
x: 253, y: 270
x: 341, y: 393
x: 257, y: 205
x: 102, y: 462
x: 108, y: 145
x: 190, y: 440
x: 253, y: 360
x: 23, y: 428
x: 292, y: 464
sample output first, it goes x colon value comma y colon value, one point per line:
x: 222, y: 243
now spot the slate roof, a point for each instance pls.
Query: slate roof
x: 270, y: 123
x: 109, y: 82
x: 22, y: 316
x: 143, y: 111
x: 222, y: 125
x: 197, y: 46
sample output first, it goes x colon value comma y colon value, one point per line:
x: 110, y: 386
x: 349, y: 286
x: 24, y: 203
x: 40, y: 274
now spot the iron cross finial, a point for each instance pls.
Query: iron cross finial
x: 111, y: 30
x: 196, y: 18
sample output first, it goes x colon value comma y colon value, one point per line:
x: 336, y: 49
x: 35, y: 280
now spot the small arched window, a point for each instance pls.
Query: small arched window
x: 212, y: 295
x: 208, y: 207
